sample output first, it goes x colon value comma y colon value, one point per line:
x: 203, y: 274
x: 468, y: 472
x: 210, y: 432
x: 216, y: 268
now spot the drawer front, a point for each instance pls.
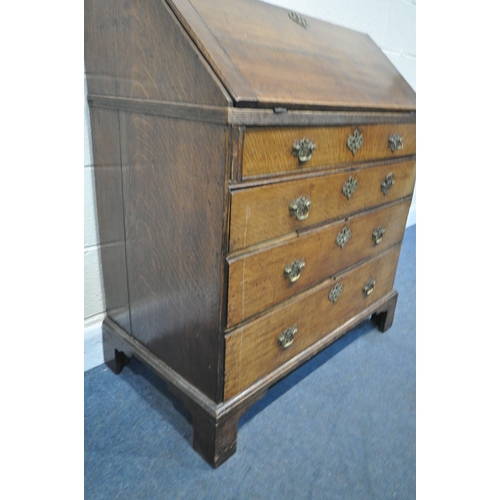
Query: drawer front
x: 272, y: 151
x: 255, y: 350
x: 264, y: 278
x: 261, y: 213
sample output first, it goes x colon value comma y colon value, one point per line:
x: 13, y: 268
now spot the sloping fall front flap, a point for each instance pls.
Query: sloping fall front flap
x: 267, y: 56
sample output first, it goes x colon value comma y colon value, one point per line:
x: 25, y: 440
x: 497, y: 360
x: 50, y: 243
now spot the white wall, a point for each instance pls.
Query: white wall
x: 94, y: 304
x: 390, y: 23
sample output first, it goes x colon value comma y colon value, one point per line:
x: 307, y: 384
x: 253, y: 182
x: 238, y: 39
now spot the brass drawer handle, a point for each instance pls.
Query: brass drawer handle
x: 355, y: 141
x: 349, y: 187
x: 343, y: 237
x: 378, y: 234
x: 335, y: 292
x: 303, y: 149
x: 293, y: 270
x: 286, y: 338
x: 396, y: 142
x: 387, y: 183
x: 368, y: 287
x: 300, y: 208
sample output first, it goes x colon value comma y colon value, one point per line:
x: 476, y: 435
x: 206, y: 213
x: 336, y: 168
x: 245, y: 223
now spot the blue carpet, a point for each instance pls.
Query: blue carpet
x: 342, y: 426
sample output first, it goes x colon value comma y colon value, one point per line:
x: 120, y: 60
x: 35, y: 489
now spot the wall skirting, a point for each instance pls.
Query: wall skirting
x: 93, y: 355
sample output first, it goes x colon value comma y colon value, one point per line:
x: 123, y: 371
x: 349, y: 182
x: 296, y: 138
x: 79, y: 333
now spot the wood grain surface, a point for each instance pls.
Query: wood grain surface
x: 252, y: 351
x: 138, y: 49
x: 174, y: 196
x: 269, y: 150
x: 266, y: 59
x: 261, y: 213
x: 257, y: 280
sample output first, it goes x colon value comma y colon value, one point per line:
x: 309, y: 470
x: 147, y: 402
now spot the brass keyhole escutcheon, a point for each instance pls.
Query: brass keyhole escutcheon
x: 335, y: 292
x: 303, y: 149
x: 286, y: 338
x: 343, y: 237
x: 300, y: 208
x: 355, y: 141
x: 297, y: 18
x: 349, y: 187
x: 396, y: 142
x: 293, y: 270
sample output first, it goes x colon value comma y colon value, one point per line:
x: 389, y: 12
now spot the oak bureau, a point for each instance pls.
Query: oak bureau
x: 254, y: 169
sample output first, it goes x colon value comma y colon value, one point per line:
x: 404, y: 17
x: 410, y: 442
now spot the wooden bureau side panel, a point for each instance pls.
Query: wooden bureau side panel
x: 262, y: 213
x: 252, y: 351
x: 109, y: 202
x: 138, y: 49
x: 257, y: 280
x: 269, y: 150
x: 174, y: 173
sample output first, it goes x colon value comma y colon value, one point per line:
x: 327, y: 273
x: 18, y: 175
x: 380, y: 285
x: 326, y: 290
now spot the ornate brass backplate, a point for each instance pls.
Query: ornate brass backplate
x: 293, y: 270
x: 355, y: 141
x: 378, y: 234
x: 349, y: 187
x: 300, y: 207
x: 369, y: 286
x: 285, y: 339
x: 396, y: 142
x: 387, y: 183
x: 343, y: 237
x: 297, y: 18
x: 335, y: 292
x: 303, y: 149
